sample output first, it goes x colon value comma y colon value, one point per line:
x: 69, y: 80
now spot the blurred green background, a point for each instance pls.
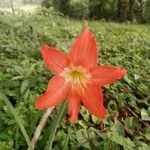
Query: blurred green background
x: 110, y: 10
x: 122, y: 30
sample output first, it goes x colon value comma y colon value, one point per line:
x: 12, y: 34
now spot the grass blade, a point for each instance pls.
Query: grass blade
x: 55, y: 124
x: 9, y: 105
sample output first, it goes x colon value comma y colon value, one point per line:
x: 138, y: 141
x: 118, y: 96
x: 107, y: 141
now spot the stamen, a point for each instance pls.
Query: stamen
x: 77, y: 76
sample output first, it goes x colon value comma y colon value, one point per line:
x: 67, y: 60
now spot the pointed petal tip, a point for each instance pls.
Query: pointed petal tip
x: 102, y: 114
x: 104, y: 75
x: 73, y: 106
x: 122, y: 72
x: 84, y: 50
x: 45, y: 46
x: 72, y: 120
x: 86, y: 27
x: 38, y: 105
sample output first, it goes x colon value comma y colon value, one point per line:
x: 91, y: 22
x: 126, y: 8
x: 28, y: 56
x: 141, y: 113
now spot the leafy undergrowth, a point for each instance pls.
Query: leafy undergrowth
x: 23, y: 77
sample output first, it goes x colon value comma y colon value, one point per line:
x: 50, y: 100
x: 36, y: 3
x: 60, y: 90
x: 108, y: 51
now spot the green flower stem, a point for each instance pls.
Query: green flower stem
x: 55, y: 124
x: 13, y: 111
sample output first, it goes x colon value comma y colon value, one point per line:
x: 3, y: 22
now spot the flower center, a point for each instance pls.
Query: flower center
x: 76, y: 75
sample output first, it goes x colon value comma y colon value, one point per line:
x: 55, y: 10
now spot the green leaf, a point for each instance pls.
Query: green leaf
x: 83, y: 137
x: 19, y: 70
x: 127, y: 79
x: 144, y: 115
x: 112, y: 106
x: 141, y: 145
x: 85, y: 113
x: 4, y: 146
x: 96, y: 120
x: 118, y: 128
x: 17, y: 77
x: 66, y: 142
x: 117, y: 135
x: 107, y: 144
x: 24, y: 86
x: 132, y: 123
x: 30, y: 70
x: 125, y: 142
x: 55, y: 124
x: 83, y: 123
x: 147, y: 133
x: 9, y: 105
x: 26, y: 94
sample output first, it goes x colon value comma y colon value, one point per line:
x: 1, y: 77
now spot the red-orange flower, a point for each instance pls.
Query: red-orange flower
x: 77, y: 78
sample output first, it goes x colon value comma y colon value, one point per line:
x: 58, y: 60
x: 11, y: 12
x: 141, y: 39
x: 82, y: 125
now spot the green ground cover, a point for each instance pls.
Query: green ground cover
x: 23, y: 77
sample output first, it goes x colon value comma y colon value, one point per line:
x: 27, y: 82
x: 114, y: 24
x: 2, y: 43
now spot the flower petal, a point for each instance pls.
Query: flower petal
x: 103, y: 75
x: 84, y: 51
x: 92, y: 99
x: 73, y: 106
x: 54, y: 59
x: 57, y: 91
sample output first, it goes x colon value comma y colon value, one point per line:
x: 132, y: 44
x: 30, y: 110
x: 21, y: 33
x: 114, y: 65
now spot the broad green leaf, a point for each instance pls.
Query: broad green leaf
x: 83, y: 137
x: 132, y: 123
x: 118, y: 128
x: 144, y: 115
x: 117, y: 135
x: 5, y: 146
x: 141, y: 145
x: 125, y: 142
